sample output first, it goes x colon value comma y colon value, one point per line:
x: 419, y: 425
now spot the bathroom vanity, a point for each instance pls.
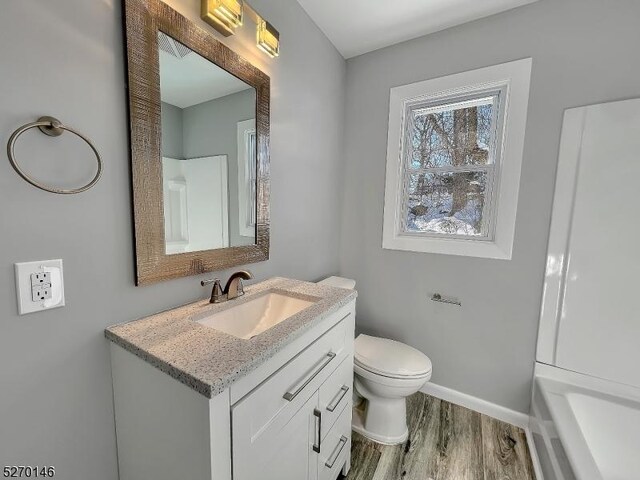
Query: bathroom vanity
x: 205, y: 391
x: 258, y: 387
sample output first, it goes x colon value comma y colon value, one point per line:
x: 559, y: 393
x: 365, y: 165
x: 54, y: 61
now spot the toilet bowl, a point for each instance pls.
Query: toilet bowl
x: 386, y: 373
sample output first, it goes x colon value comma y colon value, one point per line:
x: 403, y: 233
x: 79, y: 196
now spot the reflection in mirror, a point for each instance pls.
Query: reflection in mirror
x: 208, y: 152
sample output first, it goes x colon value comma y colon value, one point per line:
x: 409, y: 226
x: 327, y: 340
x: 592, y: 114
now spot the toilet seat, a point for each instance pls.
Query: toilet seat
x: 368, y: 371
x: 392, y: 382
x: 389, y: 358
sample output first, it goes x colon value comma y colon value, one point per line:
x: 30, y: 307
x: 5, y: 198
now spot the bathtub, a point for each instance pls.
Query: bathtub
x: 585, y: 428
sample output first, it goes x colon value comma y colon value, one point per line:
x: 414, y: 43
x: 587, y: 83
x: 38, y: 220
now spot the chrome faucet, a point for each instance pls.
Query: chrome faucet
x: 233, y: 288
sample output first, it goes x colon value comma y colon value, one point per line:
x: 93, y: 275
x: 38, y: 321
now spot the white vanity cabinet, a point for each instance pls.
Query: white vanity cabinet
x: 295, y: 447
x: 287, y: 419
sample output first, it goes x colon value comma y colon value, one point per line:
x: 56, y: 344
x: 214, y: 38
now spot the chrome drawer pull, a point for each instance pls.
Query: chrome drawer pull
x: 291, y: 395
x: 316, y: 446
x: 338, y: 398
x: 336, y: 453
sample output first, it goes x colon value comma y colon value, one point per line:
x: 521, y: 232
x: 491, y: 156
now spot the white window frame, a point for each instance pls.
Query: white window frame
x: 246, y: 180
x: 511, y: 81
x: 492, y: 168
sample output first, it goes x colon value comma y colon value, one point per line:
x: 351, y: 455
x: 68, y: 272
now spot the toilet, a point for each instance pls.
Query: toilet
x: 386, y: 373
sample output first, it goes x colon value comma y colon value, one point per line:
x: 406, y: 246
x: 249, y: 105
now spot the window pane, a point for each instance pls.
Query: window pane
x: 455, y: 134
x: 446, y: 203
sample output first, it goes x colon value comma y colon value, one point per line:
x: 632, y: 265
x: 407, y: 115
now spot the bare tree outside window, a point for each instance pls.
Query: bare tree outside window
x: 449, y: 167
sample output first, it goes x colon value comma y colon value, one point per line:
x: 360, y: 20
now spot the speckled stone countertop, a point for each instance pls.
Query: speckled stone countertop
x: 208, y: 360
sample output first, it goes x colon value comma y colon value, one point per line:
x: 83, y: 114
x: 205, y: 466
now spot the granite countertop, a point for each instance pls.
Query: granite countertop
x: 208, y: 360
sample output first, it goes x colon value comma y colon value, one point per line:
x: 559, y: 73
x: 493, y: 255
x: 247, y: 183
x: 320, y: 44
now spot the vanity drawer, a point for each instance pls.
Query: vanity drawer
x: 336, y: 447
x: 335, y: 393
x: 282, y: 394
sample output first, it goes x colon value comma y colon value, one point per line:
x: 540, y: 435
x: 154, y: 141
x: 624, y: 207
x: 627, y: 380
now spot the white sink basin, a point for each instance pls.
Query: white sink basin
x: 248, y: 319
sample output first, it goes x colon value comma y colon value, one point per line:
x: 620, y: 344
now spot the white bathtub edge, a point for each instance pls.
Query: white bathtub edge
x: 537, y: 468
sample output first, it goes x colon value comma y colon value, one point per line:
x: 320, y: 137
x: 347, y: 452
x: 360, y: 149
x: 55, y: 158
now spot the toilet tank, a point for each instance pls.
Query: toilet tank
x: 339, y: 282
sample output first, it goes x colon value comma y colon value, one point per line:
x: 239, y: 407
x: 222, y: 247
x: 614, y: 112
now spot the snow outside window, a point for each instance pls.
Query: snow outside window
x: 449, y: 168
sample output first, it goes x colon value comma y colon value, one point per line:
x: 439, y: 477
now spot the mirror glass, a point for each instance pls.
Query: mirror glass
x: 208, y: 152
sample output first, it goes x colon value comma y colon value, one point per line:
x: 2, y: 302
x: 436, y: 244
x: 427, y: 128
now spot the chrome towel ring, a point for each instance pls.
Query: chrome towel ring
x: 54, y: 128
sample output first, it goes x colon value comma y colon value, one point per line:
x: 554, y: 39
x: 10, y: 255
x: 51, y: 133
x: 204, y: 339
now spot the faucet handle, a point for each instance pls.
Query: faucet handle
x: 217, y: 295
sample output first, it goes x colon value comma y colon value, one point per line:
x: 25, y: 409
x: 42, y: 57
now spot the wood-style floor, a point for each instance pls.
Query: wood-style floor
x: 446, y: 442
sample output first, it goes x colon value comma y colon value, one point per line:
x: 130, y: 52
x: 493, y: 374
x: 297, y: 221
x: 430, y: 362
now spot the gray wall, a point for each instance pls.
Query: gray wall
x: 55, y: 394
x: 211, y: 128
x: 584, y: 51
x: 172, y: 121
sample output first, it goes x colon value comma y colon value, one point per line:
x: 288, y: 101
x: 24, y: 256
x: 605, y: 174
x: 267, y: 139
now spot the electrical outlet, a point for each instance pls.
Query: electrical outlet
x: 41, y: 292
x: 40, y: 278
x: 39, y: 285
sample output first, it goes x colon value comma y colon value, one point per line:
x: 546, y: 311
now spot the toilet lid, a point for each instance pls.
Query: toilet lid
x: 390, y: 358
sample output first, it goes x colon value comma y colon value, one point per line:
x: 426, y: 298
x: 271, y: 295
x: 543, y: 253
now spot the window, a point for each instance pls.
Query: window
x: 452, y: 171
x: 449, y: 167
x: 247, y: 165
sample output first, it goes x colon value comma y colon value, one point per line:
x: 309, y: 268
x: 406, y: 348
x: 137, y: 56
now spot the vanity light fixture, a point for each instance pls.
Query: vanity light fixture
x: 226, y: 15
x: 268, y: 38
x: 223, y: 15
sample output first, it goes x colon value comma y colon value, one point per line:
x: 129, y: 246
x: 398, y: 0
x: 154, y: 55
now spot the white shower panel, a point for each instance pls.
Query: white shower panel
x: 195, y: 203
x: 590, y: 319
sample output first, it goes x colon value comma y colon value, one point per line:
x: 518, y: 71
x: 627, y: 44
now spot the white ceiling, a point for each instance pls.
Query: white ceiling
x: 360, y: 26
x: 193, y: 79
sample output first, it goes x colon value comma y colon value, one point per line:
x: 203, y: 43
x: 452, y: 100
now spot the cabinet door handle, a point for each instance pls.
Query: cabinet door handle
x: 316, y: 445
x: 290, y: 395
x: 336, y: 452
x: 338, y: 398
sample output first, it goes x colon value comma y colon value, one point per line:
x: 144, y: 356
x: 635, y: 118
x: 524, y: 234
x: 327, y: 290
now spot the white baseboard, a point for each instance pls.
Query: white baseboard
x: 504, y: 414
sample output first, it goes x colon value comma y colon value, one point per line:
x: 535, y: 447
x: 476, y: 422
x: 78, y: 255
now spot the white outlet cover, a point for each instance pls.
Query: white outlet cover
x: 23, y: 285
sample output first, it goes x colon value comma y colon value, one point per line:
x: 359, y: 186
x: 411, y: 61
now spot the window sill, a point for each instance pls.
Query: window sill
x: 450, y: 246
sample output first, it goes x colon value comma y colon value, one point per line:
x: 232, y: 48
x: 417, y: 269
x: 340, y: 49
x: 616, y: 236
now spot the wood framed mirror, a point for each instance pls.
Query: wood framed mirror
x: 199, y: 130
